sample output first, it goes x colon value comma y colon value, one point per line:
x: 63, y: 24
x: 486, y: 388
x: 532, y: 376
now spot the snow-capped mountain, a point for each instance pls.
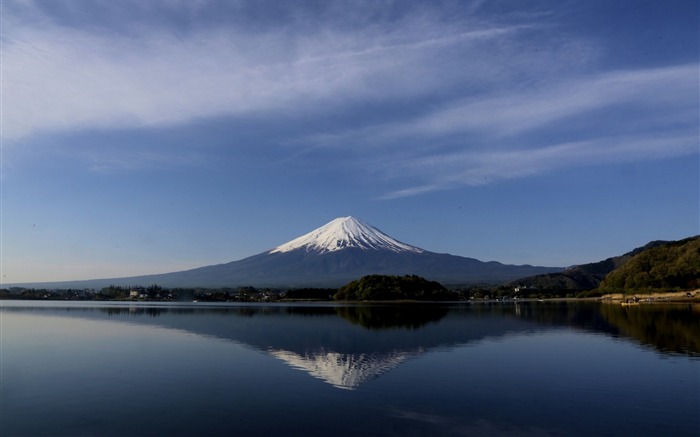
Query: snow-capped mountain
x: 344, y: 233
x: 342, y: 250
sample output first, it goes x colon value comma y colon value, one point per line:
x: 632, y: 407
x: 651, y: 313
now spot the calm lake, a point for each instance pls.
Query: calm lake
x: 528, y: 369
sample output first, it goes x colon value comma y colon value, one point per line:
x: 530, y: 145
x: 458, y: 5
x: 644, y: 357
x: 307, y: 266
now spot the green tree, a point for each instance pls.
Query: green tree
x: 381, y: 287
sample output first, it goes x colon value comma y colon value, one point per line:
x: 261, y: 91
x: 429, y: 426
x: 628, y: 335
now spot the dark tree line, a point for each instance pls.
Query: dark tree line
x: 383, y: 287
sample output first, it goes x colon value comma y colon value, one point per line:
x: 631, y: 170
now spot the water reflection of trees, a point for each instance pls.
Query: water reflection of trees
x: 670, y: 328
x: 391, y: 316
x: 584, y: 315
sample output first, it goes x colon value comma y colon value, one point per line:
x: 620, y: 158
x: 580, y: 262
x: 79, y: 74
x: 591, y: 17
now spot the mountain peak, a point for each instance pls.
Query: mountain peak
x: 343, y: 233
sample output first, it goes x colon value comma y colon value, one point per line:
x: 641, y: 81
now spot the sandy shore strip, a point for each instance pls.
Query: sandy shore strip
x: 670, y: 296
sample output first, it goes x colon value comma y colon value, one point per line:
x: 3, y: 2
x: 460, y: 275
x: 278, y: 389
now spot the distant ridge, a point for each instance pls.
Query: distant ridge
x: 338, y: 252
x: 675, y: 264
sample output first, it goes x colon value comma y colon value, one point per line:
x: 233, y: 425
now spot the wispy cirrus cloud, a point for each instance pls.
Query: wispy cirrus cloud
x: 484, y: 167
x: 610, y: 117
x: 669, y: 91
x: 671, y: 88
x: 447, y: 102
x: 58, y: 77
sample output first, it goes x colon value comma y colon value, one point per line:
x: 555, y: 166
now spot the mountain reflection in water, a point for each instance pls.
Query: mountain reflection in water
x: 348, y: 345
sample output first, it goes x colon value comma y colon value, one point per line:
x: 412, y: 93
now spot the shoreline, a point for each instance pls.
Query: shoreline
x: 655, y: 297
x: 613, y: 298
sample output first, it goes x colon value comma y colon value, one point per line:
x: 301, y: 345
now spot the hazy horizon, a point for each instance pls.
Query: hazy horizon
x: 144, y: 137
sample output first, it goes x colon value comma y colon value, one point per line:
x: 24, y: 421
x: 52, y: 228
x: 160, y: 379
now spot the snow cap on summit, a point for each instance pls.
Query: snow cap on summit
x: 343, y: 233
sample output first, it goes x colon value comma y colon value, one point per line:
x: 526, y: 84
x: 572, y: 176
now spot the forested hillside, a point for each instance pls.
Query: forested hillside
x: 674, y: 265
x: 581, y: 277
x: 671, y: 265
x: 386, y: 287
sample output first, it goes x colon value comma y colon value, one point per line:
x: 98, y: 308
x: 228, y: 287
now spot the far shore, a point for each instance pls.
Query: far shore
x: 656, y: 297
x: 645, y: 299
x: 613, y: 298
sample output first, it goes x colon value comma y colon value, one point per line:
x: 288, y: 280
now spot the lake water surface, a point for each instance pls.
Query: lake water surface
x: 529, y: 369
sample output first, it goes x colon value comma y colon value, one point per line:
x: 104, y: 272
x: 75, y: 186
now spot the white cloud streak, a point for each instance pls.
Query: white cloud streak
x: 495, y: 93
x: 481, y: 168
x: 666, y: 94
x: 58, y: 78
x: 612, y: 117
x: 670, y: 88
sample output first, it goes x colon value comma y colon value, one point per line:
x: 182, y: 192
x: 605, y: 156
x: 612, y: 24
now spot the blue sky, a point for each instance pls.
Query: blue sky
x: 153, y: 136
